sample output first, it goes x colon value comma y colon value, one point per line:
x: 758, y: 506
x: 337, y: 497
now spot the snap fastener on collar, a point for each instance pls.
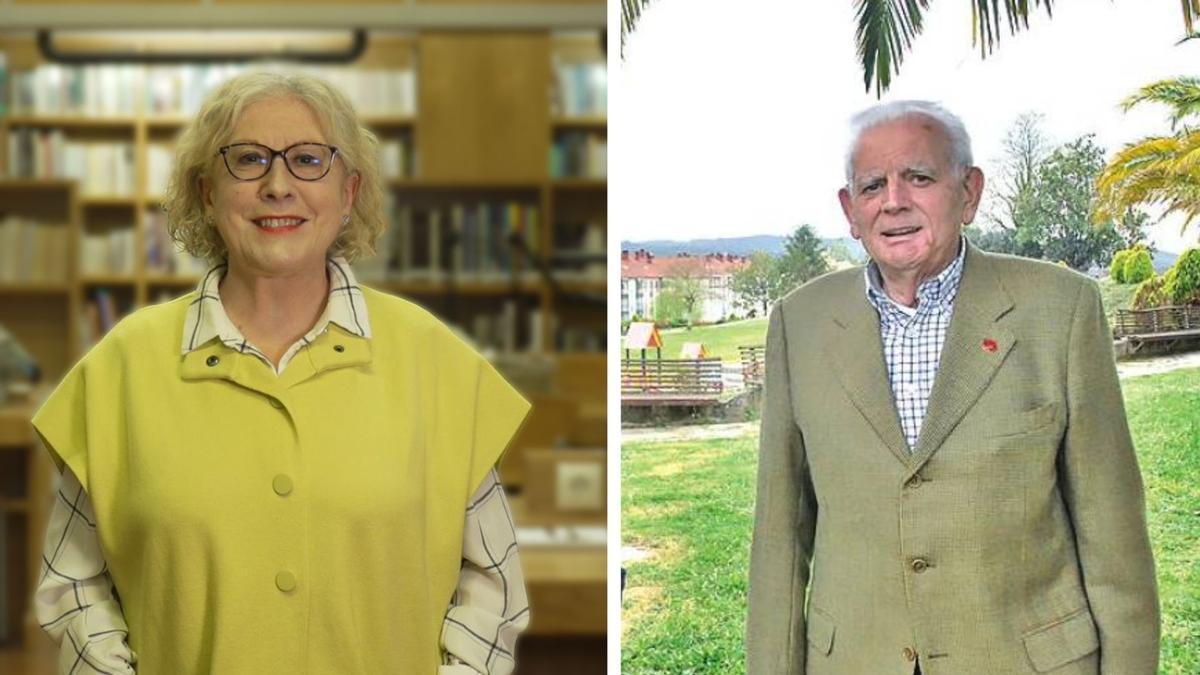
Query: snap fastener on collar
x: 213, y: 360
x: 339, y: 348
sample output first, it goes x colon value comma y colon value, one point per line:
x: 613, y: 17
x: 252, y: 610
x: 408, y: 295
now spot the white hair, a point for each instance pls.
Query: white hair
x: 951, y: 125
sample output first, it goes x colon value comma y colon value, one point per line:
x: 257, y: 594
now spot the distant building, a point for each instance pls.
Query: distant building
x: 643, y: 274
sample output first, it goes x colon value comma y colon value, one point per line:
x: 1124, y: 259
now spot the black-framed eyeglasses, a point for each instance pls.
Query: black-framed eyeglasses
x: 251, y: 161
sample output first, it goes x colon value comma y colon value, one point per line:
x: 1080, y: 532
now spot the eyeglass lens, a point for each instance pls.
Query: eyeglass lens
x: 249, y: 161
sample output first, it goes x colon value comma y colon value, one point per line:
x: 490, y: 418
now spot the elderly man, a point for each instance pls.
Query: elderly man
x: 945, y: 466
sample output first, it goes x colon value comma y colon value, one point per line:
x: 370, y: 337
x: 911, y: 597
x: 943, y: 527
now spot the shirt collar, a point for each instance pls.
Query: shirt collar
x: 934, y: 293
x: 206, y: 318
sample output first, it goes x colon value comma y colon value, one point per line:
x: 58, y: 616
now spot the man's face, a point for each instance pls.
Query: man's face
x: 906, y: 203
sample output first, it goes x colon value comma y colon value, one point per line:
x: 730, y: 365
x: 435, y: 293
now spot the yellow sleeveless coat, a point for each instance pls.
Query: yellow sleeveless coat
x: 306, y: 523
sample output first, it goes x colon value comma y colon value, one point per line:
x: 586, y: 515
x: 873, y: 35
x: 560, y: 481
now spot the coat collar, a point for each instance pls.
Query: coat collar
x: 976, y: 344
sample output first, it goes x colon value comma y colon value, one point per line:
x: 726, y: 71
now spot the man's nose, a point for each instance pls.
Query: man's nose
x: 895, y: 196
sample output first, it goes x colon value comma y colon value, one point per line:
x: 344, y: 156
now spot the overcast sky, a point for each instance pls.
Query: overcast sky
x: 729, y: 119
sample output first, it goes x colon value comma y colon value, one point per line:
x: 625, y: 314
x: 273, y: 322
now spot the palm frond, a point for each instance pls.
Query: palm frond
x: 631, y: 11
x: 985, y: 19
x: 1159, y: 171
x: 1191, y: 12
x: 1181, y: 94
x: 885, y: 29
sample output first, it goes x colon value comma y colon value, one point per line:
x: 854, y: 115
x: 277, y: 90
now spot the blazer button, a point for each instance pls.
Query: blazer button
x: 919, y: 565
x: 339, y: 348
x: 282, y: 485
x: 213, y: 360
x: 276, y: 403
x: 914, y: 482
x: 909, y: 654
x: 285, y: 581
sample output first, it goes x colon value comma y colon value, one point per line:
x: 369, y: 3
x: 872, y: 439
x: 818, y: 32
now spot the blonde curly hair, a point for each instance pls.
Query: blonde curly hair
x: 195, y: 157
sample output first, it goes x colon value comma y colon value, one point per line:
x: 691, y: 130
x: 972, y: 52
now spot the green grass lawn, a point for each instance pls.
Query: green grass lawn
x: 722, y: 340
x: 690, y: 506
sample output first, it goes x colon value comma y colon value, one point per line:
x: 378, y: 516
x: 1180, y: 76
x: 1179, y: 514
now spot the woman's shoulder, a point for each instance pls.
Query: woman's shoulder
x: 153, y: 327
x: 396, y: 318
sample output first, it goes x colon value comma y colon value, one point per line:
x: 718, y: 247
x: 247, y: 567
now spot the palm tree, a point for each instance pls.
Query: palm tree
x: 1157, y: 170
x: 886, y: 28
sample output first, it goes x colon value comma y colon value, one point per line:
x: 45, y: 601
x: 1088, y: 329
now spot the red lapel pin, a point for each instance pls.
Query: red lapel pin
x: 989, y: 345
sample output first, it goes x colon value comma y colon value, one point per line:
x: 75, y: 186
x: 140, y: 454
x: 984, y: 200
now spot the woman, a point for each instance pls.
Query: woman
x: 283, y: 471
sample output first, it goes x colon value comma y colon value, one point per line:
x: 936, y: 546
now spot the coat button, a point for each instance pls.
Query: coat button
x: 213, y: 360
x: 914, y: 482
x: 276, y: 403
x: 919, y: 565
x: 909, y: 654
x: 285, y: 581
x: 282, y: 485
x: 339, y: 348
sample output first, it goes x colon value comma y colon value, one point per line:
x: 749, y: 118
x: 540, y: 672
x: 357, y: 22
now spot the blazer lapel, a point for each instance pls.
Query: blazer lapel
x: 976, y: 344
x: 855, y: 352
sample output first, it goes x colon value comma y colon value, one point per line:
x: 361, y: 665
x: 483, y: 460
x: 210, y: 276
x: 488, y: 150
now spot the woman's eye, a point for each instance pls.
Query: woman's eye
x: 250, y: 158
x: 308, y: 159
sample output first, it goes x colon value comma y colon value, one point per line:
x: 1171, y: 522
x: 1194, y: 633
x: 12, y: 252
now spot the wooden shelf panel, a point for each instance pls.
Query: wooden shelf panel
x: 72, y: 121
x: 14, y: 505
x: 581, y: 123
x: 465, y: 287
x: 34, y: 288
x: 27, y: 184
x: 108, y: 280
x: 108, y: 201
x: 465, y: 185
x: 579, y: 183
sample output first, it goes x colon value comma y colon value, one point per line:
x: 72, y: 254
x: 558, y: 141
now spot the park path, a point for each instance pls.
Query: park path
x: 1125, y: 369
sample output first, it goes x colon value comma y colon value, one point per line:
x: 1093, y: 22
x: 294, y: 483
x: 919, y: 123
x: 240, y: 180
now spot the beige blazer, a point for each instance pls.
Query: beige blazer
x: 1012, y: 539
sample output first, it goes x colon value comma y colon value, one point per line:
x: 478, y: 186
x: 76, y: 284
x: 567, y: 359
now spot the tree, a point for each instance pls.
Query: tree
x: 1157, y: 170
x: 1025, y: 148
x: 886, y: 29
x: 803, y: 258
x: 758, y: 283
x: 1056, y: 221
x: 1138, y: 266
x: 683, y: 293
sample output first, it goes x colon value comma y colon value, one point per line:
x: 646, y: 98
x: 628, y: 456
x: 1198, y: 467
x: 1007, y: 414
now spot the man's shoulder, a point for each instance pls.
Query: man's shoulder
x: 1029, y: 278
x: 827, y: 291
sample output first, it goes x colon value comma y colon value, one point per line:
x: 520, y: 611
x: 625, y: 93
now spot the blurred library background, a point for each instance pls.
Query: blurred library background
x: 493, y: 129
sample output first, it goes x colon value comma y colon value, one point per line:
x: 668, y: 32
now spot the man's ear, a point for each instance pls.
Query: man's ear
x: 844, y: 199
x: 973, y: 184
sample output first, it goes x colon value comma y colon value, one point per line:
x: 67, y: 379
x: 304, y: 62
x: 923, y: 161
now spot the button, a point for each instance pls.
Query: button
x: 909, y: 654
x: 919, y: 565
x: 213, y: 360
x: 276, y: 403
x: 914, y: 482
x: 339, y: 348
x: 282, y: 485
x: 285, y: 581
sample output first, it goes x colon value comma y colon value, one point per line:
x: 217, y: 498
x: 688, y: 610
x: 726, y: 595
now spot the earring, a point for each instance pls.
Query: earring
x: 345, y: 220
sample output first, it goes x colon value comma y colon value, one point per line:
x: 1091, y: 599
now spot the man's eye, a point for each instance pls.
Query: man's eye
x: 918, y: 179
x: 871, y: 187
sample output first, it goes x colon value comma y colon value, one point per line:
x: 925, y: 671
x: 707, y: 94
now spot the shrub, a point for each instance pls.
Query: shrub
x: 1184, y: 283
x: 1151, y: 293
x: 1138, y: 266
x: 1116, y: 269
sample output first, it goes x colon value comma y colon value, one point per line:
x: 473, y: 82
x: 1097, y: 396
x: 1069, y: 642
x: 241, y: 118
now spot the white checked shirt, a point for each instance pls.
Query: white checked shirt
x: 75, y: 601
x: 913, y: 338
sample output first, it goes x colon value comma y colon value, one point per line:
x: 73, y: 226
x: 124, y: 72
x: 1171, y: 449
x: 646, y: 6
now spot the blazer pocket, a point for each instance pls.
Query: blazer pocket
x: 1062, y: 642
x: 820, y: 631
x: 1022, y: 423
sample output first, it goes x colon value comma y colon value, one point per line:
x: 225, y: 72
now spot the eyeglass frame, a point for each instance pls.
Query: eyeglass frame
x: 277, y: 153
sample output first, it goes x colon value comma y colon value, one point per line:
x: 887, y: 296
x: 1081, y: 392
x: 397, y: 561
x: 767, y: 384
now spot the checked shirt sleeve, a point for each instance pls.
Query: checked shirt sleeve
x: 74, y: 600
x: 489, y: 608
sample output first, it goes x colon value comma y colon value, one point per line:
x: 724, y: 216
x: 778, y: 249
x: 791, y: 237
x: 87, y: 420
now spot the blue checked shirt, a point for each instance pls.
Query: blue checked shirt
x: 913, y: 338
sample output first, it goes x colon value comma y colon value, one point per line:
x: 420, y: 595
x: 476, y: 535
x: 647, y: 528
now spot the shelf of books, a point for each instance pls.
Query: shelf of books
x: 517, y: 264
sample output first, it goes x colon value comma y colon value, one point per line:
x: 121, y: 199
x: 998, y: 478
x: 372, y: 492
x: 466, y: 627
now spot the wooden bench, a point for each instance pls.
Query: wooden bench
x: 1160, y: 325
x: 683, y: 382
x: 752, y: 364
